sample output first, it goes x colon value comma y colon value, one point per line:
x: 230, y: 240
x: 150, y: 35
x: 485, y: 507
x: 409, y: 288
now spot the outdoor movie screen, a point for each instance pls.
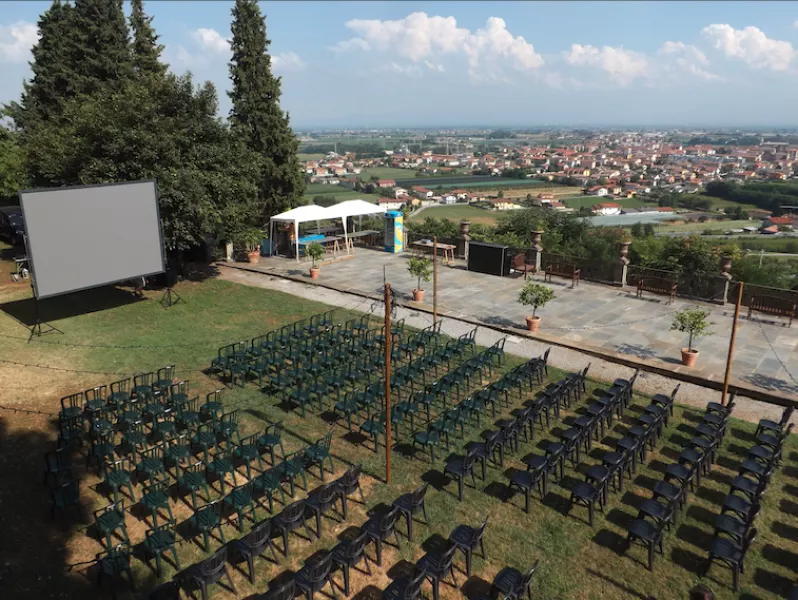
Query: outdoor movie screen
x: 88, y: 236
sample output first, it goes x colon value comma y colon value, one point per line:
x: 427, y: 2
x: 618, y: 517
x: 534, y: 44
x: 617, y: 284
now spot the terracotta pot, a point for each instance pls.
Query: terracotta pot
x: 253, y: 256
x: 689, y: 357
x: 418, y: 295
x: 314, y: 272
x: 532, y: 323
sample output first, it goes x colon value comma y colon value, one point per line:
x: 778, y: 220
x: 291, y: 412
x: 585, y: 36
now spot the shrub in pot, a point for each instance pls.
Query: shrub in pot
x: 315, y: 251
x: 421, y: 268
x: 695, y: 322
x: 250, y: 240
x: 537, y: 296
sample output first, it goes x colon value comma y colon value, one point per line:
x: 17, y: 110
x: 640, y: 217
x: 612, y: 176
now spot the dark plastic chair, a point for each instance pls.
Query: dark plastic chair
x: 321, y: 500
x: 110, y: 519
x: 648, y: 532
x: 282, y: 591
x: 112, y: 565
x: 316, y: 573
x: 404, y: 588
x: 254, y: 544
x: 65, y: 495
x: 206, y: 519
x: 511, y: 584
x: 347, y: 484
x: 467, y: 539
x: 588, y: 495
x: 159, y: 540
x: 290, y: 519
x: 348, y: 554
x: 410, y: 504
x: 380, y: 529
x: 436, y: 566
x: 210, y: 571
x: 460, y: 467
x: 731, y: 554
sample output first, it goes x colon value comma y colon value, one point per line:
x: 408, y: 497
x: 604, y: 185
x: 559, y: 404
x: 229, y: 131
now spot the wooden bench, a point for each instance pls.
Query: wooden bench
x: 657, y: 285
x: 562, y: 270
x: 772, y: 305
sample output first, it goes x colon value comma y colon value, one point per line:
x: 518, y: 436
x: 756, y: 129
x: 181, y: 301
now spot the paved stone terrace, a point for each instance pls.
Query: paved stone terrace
x: 601, y: 316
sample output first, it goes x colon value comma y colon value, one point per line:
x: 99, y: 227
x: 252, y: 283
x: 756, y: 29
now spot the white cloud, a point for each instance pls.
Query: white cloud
x: 622, y: 66
x: 681, y: 59
x: 434, y: 67
x: 420, y: 38
x: 795, y: 23
x: 16, y: 41
x: 210, y: 39
x: 288, y: 61
x: 751, y: 46
x: 410, y: 70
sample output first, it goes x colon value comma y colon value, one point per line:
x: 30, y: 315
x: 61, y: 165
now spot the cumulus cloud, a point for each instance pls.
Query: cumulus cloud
x: 288, y: 61
x: 420, y: 38
x: 411, y: 70
x: 686, y: 59
x: 210, y: 39
x: 434, y: 67
x: 751, y: 46
x: 622, y: 66
x: 16, y: 41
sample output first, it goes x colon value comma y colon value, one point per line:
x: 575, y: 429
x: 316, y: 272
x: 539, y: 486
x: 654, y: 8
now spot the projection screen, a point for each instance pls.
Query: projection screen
x: 88, y: 236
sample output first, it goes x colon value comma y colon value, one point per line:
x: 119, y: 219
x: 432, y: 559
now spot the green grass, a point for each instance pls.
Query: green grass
x: 721, y: 203
x: 578, y: 202
x: 457, y: 212
x: 576, y: 561
x: 694, y: 227
x: 342, y: 196
x: 302, y: 156
x: 386, y: 173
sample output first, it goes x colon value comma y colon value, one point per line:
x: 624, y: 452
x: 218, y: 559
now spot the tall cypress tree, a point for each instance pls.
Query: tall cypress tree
x: 256, y: 116
x: 51, y: 84
x: 102, y: 54
x: 146, y: 49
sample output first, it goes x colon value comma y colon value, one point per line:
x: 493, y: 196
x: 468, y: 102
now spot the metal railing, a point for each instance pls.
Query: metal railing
x: 598, y: 271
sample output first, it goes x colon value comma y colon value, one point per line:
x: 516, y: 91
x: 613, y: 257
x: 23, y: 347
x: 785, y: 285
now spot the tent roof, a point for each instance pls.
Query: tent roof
x: 300, y: 214
x: 352, y: 208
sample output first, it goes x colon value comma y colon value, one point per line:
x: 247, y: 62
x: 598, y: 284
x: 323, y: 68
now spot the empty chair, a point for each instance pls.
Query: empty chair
x: 772, y: 427
x: 380, y: 528
x: 460, y: 467
x: 731, y: 554
x: 405, y: 588
x: 468, y: 539
x: 321, y: 500
x: 290, y: 519
x: 113, y: 564
x: 348, y: 554
x: 588, y: 495
x: 315, y: 574
x: 285, y: 590
x: 436, y: 566
x: 511, y: 584
x: 410, y: 504
x: 159, y: 540
x: 347, y: 484
x: 206, y: 519
x: 210, y: 571
x: 649, y: 533
x: 254, y: 544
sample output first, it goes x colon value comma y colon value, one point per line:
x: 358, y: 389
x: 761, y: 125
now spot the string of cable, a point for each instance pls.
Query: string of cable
x: 773, y: 349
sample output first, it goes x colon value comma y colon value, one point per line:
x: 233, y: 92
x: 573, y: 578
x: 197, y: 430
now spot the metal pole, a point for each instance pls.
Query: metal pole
x: 434, y: 280
x: 731, y: 344
x: 388, y: 341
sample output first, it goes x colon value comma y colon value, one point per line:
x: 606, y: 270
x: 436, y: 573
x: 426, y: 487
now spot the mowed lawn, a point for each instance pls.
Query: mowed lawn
x: 457, y: 213
x: 387, y: 173
x: 340, y: 193
x: 576, y: 561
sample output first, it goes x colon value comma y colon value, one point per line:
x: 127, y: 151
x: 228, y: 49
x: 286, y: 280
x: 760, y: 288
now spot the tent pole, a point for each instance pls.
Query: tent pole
x: 296, y: 238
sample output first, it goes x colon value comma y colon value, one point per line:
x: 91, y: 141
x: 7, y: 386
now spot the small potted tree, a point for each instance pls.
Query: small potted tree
x: 695, y: 322
x: 315, y: 251
x: 250, y: 240
x: 421, y: 268
x: 535, y: 295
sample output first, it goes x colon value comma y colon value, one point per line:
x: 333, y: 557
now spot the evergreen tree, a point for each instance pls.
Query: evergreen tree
x: 101, y: 55
x: 146, y: 49
x: 256, y: 115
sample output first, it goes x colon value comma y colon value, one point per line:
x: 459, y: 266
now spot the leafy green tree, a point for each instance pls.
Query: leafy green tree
x: 13, y: 176
x: 648, y: 230
x: 146, y: 49
x: 637, y: 230
x: 256, y: 115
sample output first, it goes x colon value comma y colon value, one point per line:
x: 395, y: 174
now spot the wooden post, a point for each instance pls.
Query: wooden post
x: 435, y: 279
x: 388, y: 340
x: 731, y: 344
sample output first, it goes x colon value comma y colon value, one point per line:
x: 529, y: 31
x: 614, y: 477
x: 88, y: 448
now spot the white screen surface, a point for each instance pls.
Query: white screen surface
x: 89, y: 236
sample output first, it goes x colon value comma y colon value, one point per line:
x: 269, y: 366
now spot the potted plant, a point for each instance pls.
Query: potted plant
x: 421, y: 268
x: 250, y: 240
x: 534, y: 295
x: 695, y: 322
x: 315, y: 251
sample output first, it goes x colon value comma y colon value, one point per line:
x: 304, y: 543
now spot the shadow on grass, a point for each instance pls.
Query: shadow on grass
x: 780, y: 556
x: 788, y: 532
x: 370, y: 592
x: 610, y: 540
x: 772, y: 582
x: 702, y: 515
x: 476, y: 587
x: 695, y: 536
x: 689, y: 560
x: 628, y: 591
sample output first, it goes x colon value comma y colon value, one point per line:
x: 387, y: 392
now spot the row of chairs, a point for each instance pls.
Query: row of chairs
x: 670, y: 494
x: 734, y: 527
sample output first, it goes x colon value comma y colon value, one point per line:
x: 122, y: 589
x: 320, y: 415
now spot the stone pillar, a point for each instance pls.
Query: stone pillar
x: 623, y: 263
x: 462, y: 242
x: 537, y: 250
x: 725, y: 277
x: 228, y: 251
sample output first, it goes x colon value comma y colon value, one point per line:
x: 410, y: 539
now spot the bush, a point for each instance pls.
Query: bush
x: 535, y: 295
x: 694, y: 321
x: 420, y: 267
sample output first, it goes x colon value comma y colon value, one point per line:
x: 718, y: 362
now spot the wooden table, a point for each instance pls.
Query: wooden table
x: 448, y: 249
x: 361, y: 234
x: 330, y: 241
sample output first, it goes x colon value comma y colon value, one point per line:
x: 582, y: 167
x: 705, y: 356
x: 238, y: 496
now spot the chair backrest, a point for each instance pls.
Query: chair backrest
x: 356, y: 546
x: 259, y: 535
x: 99, y: 392
x: 633, y: 379
x: 527, y: 578
x: 166, y: 373
x: 318, y: 568
x: 231, y: 417
x: 412, y: 590
x: 388, y: 520
x: 583, y: 375
x: 785, y: 416
x: 72, y: 401
x: 181, y: 387
x: 351, y: 477
x: 123, y: 385
x: 519, y: 260
x: 325, y: 494
x: 447, y: 557
x: 479, y: 532
x: 674, y: 392
x: 142, y: 379
x: 294, y: 512
x: 492, y: 440
x: 197, y: 467
x: 156, y: 487
x: 283, y: 591
x: 212, y: 568
x: 417, y: 497
x: 215, y: 396
x: 545, y: 357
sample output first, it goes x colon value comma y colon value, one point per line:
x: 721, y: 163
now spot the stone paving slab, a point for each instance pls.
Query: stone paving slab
x: 602, y: 316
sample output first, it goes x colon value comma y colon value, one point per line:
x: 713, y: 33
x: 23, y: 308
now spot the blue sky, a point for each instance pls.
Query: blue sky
x: 377, y: 64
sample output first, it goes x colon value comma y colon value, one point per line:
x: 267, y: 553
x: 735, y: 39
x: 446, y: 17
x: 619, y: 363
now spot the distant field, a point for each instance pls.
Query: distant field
x: 721, y: 203
x: 305, y: 156
x: 578, y: 202
x: 386, y: 173
x: 341, y: 193
x: 457, y: 213
x: 699, y: 227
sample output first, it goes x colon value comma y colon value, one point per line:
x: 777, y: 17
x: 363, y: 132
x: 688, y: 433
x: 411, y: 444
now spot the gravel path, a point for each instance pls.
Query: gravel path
x: 563, y: 358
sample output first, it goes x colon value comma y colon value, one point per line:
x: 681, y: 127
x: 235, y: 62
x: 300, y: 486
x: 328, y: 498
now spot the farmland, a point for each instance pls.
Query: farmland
x: 341, y: 193
x: 457, y: 213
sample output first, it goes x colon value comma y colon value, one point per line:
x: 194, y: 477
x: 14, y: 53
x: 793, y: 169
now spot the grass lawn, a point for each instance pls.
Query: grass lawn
x: 457, y: 213
x: 344, y: 195
x: 576, y: 561
x: 721, y: 203
x: 387, y: 173
x: 694, y: 227
x: 578, y: 202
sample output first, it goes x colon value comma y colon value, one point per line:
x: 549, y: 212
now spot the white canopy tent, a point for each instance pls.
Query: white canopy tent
x: 311, y: 212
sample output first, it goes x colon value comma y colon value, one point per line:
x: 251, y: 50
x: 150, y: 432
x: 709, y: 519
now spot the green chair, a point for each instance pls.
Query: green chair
x: 268, y: 482
x: 119, y: 475
x: 238, y: 371
x: 270, y: 439
x: 293, y: 466
x: 226, y: 427
x: 318, y: 452
x: 429, y: 439
x: 206, y: 519
x: 71, y: 432
x: 109, y: 520
x: 259, y: 368
x: 120, y: 391
x: 96, y: 400
x: 212, y: 407
x: 102, y: 450
x: 156, y: 497
x: 240, y: 501
x: 134, y: 439
x: 72, y: 407
x: 128, y: 413
x: 204, y: 439
x: 220, y: 466
x: 374, y: 427
x: 56, y: 462
x: 158, y: 540
x: 177, y: 450
x: 179, y: 392
x: 247, y: 452
x: 65, y: 495
x: 192, y: 479
x: 151, y: 463
x: 113, y: 564
x: 164, y: 427
x: 142, y: 385
x: 187, y: 415
x: 300, y: 394
x: 163, y: 380
x: 346, y: 408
